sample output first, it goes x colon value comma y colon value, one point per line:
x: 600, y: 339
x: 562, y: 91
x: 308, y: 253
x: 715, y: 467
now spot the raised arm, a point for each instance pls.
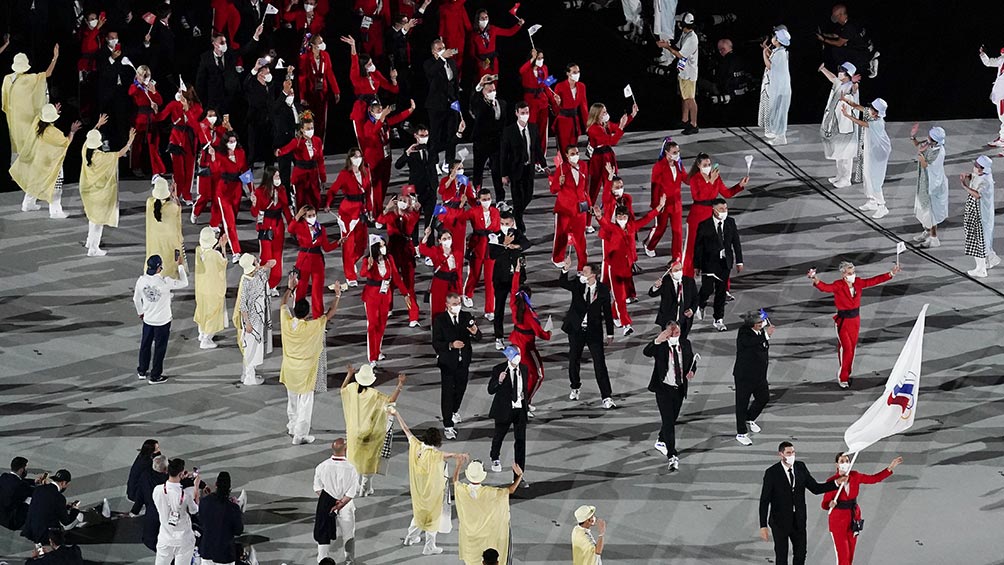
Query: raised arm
x: 401, y: 378
x: 404, y: 427
x: 350, y: 372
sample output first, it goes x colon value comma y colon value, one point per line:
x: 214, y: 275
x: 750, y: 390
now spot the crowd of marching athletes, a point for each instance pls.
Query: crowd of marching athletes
x: 441, y: 217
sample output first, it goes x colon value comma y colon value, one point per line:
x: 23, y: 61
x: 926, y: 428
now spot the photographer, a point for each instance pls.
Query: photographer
x: 175, y: 505
x: 48, y: 508
x: 57, y: 553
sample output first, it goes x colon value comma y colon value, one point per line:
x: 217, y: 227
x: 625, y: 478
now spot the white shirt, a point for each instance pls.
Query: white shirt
x: 449, y: 71
x: 575, y: 174
x: 152, y: 296
x: 688, y: 48
x: 591, y: 291
x: 337, y: 477
x: 518, y: 383
x: 670, y: 377
x: 168, y: 498
x: 525, y: 135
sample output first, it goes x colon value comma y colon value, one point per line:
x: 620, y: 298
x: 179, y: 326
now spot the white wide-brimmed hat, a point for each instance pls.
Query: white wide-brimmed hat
x: 365, y: 376
x: 207, y: 238
x: 161, y: 190
x: 93, y: 140
x: 985, y: 163
x: 849, y: 68
x: 475, y: 472
x: 49, y: 113
x: 20, y: 64
x: 584, y: 513
x: 880, y: 106
x: 783, y: 37
x: 247, y: 263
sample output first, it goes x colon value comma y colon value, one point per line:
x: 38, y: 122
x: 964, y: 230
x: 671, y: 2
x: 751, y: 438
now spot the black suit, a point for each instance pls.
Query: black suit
x: 672, y: 305
x: 14, y: 491
x: 504, y: 395
x: 598, y: 318
x: 782, y: 506
x: 505, y: 268
x: 221, y: 520
x: 750, y: 374
x: 668, y: 397
x: 112, y: 85
x: 443, y: 120
x: 218, y: 85
x: 422, y: 173
x: 454, y: 364
x: 714, y: 254
x: 260, y: 98
x: 284, y: 128
x: 151, y: 519
x: 486, y: 133
x: 518, y: 165
x: 63, y: 555
x: 48, y: 509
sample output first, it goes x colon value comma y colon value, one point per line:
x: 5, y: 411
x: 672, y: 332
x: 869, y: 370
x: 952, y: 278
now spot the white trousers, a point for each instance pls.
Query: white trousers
x: 1000, y: 116
x: 844, y: 168
x: 178, y: 554
x: 346, y: 529
x: 55, y: 207
x: 300, y: 409
x: 252, y: 358
x: 430, y: 537
x: 632, y: 12
x: 94, y: 232
x: 211, y: 562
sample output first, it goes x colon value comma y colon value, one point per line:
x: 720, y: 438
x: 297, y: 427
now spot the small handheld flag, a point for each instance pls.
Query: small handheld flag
x: 628, y: 93
x: 149, y: 18
x: 270, y: 10
x: 550, y: 80
x: 514, y: 8
x: 247, y: 177
x: 439, y: 210
x: 749, y: 164
x: 463, y: 180
x: 549, y: 324
x: 455, y: 106
x: 900, y: 248
x: 557, y: 160
x: 532, y: 30
x: 681, y: 63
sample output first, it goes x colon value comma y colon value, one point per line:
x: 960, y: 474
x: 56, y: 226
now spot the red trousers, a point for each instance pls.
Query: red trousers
x: 570, y: 230
x: 598, y: 172
x: 311, y: 267
x: 404, y: 259
x: 566, y: 132
x: 539, y: 115
x: 380, y: 178
x: 377, y: 308
x: 354, y: 244
x: 229, y: 198
x: 847, y: 336
x: 438, y: 291
x: 273, y: 250
x: 183, y: 166
x: 479, y: 247
x: 308, y: 187
x: 318, y: 103
x: 671, y: 215
x: 527, y: 344
x: 844, y: 541
x: 207, y: 198
x: 151, y: 140
x: 620, y: 289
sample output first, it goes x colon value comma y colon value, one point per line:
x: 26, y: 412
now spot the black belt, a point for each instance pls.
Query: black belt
x: 315, y: 250
x: 522, y: 331
x: 568, y: 112
x: 305, y: 164
x: 704, y: 203
x: 372, y: 282
x: 487, y: 56
x: 847, y: 504
x: 446, y: 276
x: 175, y: 149
x: 602, y: 150
x: 184, y: 128
x: 452, y: 205
x: 232, y: 177
x: 481, y: 232
x: 533, y: 90
x: 355, y: 198
x: 144, y: 110
x: 853, y: 313
x: 365, y: 97
x: 272, y: 213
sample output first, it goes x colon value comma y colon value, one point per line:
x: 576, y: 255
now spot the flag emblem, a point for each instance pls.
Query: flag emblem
x: 902, y: 396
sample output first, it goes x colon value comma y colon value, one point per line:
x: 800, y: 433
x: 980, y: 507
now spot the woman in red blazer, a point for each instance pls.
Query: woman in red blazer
x: 317, y: 83
x: 843, y: 507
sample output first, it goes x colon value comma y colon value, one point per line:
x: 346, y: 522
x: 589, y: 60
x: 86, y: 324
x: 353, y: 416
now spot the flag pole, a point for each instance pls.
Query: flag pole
x: 841, y: 488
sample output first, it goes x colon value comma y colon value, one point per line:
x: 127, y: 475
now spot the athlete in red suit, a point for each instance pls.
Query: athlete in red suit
x: 526, y: 330
x: 183, y: 113
x: 618, y: 241
x: 90, y: 44
x: 374, y: 139
x: 454, y: 25
x: 229, y: 189
x: 270, y: 209
x: 537, y: 95
x: 668, y: 177
x: 401, y: 218
x: 367, y: 82
x: 148, y: 101
x: 312, y: 239
x: 705, y: 186
x: 447, y: 269
x: 614, y: 197
x: 308, y: 165
x: 603, y: 136
x: 485, y: 220
x: 844, y: 507
x: 210, y: 139
x: 355, y: 184
x: 317, y: 83
x: 573, y: 108
x: 570, y: 218
x: 847, y: 298
x: 226, y: 19
x: 380, y: 273
x: 456, y: 201
x: 376, y: 19
x: 483, y: 44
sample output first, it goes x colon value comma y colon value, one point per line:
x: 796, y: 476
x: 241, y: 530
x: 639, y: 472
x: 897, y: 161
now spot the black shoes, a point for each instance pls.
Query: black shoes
x: 690, y: 130
x: 157, y: 380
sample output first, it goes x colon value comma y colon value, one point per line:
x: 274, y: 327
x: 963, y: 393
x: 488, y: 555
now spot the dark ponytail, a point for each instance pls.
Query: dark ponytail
x: 40, y: 129
x: 157, y: 206
x: 89, y: 154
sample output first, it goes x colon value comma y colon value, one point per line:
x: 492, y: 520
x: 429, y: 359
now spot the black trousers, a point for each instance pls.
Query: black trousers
x: 443, y: 134
x: 517, y: 421
x: 669, y: 404
x: 154, y: 338
x: 502, y: 290
x: 717, y: 286
x: 746, y: 412
x: 522, y: 194
x: 454, y: 385
x: 487, y: 153
x: 285, y: 165
x: 798, y: 545
x: 577, y: 342
x: 260, y: 144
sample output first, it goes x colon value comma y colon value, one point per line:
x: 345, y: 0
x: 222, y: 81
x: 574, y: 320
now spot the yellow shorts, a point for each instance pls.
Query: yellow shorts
x: 688, y: 88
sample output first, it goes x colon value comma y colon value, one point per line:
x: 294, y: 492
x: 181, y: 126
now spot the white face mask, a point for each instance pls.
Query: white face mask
x: 308, y: 8
x: 514, y: 362
x: 440, y: 53
x: 674, y: 340
x: 977, y: 171
x: 522, y: 118
x: 356, y: 161
x: 789, y: 459
x: 539, y: 63
x: 604, y: 117
x: 486, y: 204
x: 850, y: 278
x: 383, y: 250
x: 308, y: 133
x: 322, y: 46
x: 92, y: 23
x: 622, y: 223
x: 289, y: 100
x: 145, y: 80
x: 311, y: 220
x: 583, y: 279
x: 618, y: 192
x: 370, y: 68
x: 460, y: 172
x: 447, y: 243
x: 177, y: 96
x: 676, y: 275
x: 402, y: 204
x: 113, y: 42
x: 276, y: 181
x: 723, y: 215
x: 573, y: 159
x: 506, y: 229
x: 490, y: 96
x: 843, y: 468
x: 211, y: 120
x: 268, y: 78
x: 455, y: 309
x: 422, y: 140
x: 482, y: 24
x: 575, y: 76
x: 223, y: 48
x: 231, y: 145
x: 705, y: 170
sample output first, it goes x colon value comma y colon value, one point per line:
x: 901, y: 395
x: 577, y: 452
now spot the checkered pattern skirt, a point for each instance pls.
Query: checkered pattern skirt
x: 973, y: 224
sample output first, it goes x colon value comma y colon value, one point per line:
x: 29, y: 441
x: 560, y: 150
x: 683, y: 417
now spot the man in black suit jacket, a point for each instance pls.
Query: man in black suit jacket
x: 15, y: 489
x: 221, y: 519
x: 285, y: 123
x: 489, y: 115
x: 750, y: 373
x: 216, y: 80
x: 519, y: 154
x: 260, y: 94
x: 421, y: 163
x: 716, y: 249
x: 113, y: 80
x: 444, y: 86
x: 674, y: 367
x: 588, y: 316
x: 507, y: 385
x: 782, y: 503
x: 48, y: 508
x: 452, y: 333
x: 677, y: 298
x: 58, y: 553
x: 507, y: 251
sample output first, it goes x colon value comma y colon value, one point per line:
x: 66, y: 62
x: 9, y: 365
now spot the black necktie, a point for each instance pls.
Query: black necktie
x: 454, y: 320
x: 791, y: 477
x: 676, y: 363
x: 526, y: 140
x: 588, y: 297
x: 721, y: 236
x: 514, y: 375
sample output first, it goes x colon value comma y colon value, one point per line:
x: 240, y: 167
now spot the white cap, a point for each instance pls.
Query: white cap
x: 783, y: 37
x: 584, y: 513
x: 850, y: 68
x: 365, y: 376
x: 937, y: 133
x: 93, y: 140
x: 49, y: 113
x: 880, y: 106
x: 247, y: 263
x: 475, y: 472
x: 21, y: 64
x: 985, y: 163
x: 687, y: 18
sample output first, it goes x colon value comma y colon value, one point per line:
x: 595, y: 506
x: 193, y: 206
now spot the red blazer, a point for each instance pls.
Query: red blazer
x: 144, y: 112
x: 183, y: 134
x: 701, y: 189
x: 307, y: 237
x: 449, y: 195
x: 483, y: 41
x: 369, y: 8
x: 356, y: 193
x: 480, y: 230
x: 309, y: 72
x: 535, y: 93
x: 297, y: 19
x: 528, y: 321
x: 609, y: 136
x: 454, y: 23
x: 440, y: 260
x: 664, y: 182
x: 231, y: 169
x: 374, y: 138
x: 278, y: 204
x: 569, y: 193
x: 90, y: 44
x: 842, y: 292
x: 575, y: 107
x: 298, y: 146
x: 618, y: 243
x: 371, y: 288
x: 611, y: 202
x: 364, y: 86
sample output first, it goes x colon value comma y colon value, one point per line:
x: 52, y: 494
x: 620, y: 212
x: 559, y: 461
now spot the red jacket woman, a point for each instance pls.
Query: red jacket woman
x: 537, y: 94
x: 232, y: 164
x: 618, y: 241
x: 308, y: 165
x: 209, y: 138
x: 367, y: 82
x: 668, y: 177
x: 484, y: 219
x: 317, y: 83
x: 147, y: 100
x: 380, y: 273
x: 570, y: 209
x: 270, y: 209
x: 183, y: 114
x: 603, y: 136
x: 312, y: 239
x: 454, y: 25
x: 374, y: 140
x: 401, y: 217
x: 455, y: 199
x: 705, y: 186
x: 375, y: 20
x: 355, y: 184
x: 447, y: 269
x: 526, y: 330
x: 483, y: 44
x: 573, y: 109
x: 844, y: 507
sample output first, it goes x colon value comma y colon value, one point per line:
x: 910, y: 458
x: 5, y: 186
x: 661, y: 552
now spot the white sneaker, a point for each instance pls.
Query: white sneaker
x: 590, y: 229
x: 32, y: 208
x: 608, y: 403
x: 922, y: 236
x: 719, y: 325
x: 617, y: 323
x: 880, y: 212
x: 236, y: 258
x: 843, y: 384
x: 628, y: 330
x: 450, y: 433
x: 499, y: 346
x: 661, y: 448
x: 428, y: 262
x: 457, y: 419
x: 496, y: 466
x: 558, y: 265
x: 352, y: 283
x: 490, y: 316
x: 414, y: 324
x: 753, y: 426
x: 649, y: 252
x: 207, y: 344
x: 832, y: 180
x: 531, y: 408
x: 573, y: 394
x: 996, y: 143
x: 674, y: 463
x: 193, y: 218
x: 779, y: 140
x: 700, y: 313
x: 468, y: 302
x: 432, y: 550
x: 273, y: 292
x: 869, y: 206
x: 106, y: 510
x: 979, y: 272
x: 931, y: 243
x: 96, y: 252
x: 842, y: 184
x: 412, y: 540
x: 993, y: 261
x: 58, y: 214
x: 381, y: 357
x: 304, y: 439
x: 744, y: 439
x: 242, y: 500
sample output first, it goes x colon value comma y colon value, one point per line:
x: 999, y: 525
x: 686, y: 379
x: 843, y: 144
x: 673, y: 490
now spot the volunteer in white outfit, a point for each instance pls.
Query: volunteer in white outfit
x: 997, y: 94
x: 152, y: 299
x: 876, y: 153
x: 664, y: 27
x: 587, y: 549
x: 175, y: 505
x: 979, y: 187
x: 840, y: 133
x: 336, y: 483
x: 778, y: 79
x: 930, y: 204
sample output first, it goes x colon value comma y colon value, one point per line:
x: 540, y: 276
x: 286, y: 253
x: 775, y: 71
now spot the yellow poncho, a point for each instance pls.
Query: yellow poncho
x: 99, y: 188
x: 22, y: 103
x: 428, y: 485
x: 484, y: 521
x: 210, y: 290
x: 163, y: 237
x: 583, y: 549
x: 39, y: 162
x: 301, y: 351
x: 365, y: 426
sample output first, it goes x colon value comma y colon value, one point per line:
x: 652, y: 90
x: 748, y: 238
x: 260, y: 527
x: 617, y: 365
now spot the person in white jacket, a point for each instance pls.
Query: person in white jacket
x: 997, y: 94
x: 152, y: 298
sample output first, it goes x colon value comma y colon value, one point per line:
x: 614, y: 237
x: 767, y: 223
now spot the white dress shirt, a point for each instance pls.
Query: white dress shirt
x: 337, y: 477
x: 518, y: 383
